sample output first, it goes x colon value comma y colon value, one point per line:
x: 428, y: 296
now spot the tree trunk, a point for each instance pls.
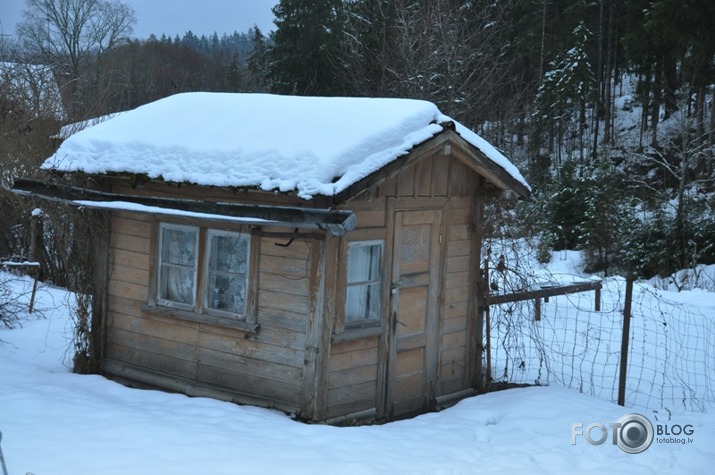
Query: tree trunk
x: 700, y: 111
x: 594, y: 152
x: 543, y: 41
x: 582, y: 125
x: 657, y: 96
x: 607, y: 106
x: 671, y: 85
x: 611, y: 39
x: 645, y: 99
x: 711, y: 132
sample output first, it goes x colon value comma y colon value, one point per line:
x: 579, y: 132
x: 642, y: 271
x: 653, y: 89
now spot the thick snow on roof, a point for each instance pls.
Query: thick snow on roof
x: 73, y: 128
x: 312, y: 145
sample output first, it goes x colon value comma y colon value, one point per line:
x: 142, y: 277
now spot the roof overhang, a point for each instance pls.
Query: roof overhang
x: 335, y: 222
x: 447, y: 142
x: 475, y: 159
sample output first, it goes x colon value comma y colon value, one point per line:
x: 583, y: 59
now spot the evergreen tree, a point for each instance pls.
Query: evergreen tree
x: 561, y: 99
x: 305, y: 47
x: 607, y: 218
x: 368, y: 47
x: 256, y: 63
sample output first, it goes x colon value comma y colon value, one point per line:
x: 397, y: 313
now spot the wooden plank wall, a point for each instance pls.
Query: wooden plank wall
x: 353, y: 366
x: 352, y: 376
x: 267, y: 367
x: 263, y: 367
x: 453, y: 356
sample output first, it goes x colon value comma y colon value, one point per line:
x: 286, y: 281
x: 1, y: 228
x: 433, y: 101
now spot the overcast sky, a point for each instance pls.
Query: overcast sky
x: 175, y: 17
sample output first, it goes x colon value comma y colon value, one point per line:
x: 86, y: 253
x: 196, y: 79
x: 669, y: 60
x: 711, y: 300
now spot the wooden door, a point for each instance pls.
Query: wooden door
x: 412, y: 338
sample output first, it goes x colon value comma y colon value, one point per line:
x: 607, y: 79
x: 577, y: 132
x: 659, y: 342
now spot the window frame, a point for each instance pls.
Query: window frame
x: 210, y: 233
x: 199, y: 310
x: 164, y: 302
x: 359, y: 327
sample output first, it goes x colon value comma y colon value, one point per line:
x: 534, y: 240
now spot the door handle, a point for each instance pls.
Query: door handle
x: 396, y: 285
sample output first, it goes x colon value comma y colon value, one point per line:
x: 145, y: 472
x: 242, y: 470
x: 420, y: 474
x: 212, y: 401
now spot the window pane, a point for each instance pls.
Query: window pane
x: 227, y: 293
x: 227, y: 273
x: 177, y: 265
x: 364, y: 263
x: 362, y: 303
x: 178, y: 246
x: 362, y: 299
x: 177, y: 284
x: 229, y: 253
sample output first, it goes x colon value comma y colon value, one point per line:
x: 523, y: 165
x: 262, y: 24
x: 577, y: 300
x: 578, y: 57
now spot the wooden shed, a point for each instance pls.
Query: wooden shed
x: 315, y: 255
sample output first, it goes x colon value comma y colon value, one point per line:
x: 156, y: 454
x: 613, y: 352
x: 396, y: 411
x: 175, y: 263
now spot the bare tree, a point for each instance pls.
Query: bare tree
x: 74, y: 36
x: 686, y: 176
x: 450, y: 52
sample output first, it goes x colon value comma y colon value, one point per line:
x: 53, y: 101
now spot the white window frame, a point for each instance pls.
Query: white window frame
x: 160, y: 264
x: 208, y: 271
x: 377, y: 281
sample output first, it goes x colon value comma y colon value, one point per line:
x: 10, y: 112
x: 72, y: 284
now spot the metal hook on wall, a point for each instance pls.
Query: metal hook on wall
x: 290, y: 241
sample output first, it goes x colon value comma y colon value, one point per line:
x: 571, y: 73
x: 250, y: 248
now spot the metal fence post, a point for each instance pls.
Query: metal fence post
x: 624, y: 340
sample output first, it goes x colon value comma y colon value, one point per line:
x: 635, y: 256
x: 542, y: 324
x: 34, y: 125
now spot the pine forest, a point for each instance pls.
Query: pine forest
x: 605, y: 105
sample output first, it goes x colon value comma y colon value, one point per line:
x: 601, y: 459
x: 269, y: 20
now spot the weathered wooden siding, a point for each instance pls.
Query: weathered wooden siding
x: 356, y: 366
x: 352, y: 376
x: 264, y: 367
x: 458, y: 288
x: 353, y: 370
x: 270, y: 367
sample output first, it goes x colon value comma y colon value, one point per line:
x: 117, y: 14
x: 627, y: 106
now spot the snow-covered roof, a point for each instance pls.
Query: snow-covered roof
x: 74, y: 127
x: 311, y: 145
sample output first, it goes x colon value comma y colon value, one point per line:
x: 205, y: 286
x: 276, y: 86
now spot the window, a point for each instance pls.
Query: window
x: 227, y: 273
x: 204, y: 273
x: 178, y: 254
x: 364, y: 275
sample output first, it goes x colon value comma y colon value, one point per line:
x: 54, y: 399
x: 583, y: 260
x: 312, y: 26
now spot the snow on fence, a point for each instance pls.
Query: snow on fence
x: 671, y: 356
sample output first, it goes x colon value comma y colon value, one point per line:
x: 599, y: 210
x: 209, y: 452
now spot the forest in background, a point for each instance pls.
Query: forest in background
x: 606, y: 106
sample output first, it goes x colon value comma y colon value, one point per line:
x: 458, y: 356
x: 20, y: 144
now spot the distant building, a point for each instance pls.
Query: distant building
x: 32, y: 87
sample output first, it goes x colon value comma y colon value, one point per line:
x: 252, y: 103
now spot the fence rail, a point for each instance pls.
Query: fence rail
x: 545, y: 292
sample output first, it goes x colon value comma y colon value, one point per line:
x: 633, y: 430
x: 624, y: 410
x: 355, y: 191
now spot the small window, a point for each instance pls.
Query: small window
x: 364, y: 276
x: 178, y: 255
x: 227, y: 272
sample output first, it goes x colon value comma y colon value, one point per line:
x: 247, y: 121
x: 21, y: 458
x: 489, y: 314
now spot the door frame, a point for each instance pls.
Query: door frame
x: 387, y: 350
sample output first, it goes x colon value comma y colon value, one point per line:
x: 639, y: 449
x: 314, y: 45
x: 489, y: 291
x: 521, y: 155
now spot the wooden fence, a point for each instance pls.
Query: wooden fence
x: 544, y: 292
x: 32, y: 269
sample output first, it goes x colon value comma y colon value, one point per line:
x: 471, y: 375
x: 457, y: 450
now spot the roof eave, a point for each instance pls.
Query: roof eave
x: 335, y: 222
x: 446, y: 142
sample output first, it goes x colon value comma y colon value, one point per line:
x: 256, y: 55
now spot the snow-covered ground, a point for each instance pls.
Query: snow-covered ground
x: 56, y: 422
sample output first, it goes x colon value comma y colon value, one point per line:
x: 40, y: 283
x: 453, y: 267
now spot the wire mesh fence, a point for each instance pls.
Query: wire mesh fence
x: 671, y: 355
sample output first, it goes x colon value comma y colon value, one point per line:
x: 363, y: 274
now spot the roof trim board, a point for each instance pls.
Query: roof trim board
x: 335, y: 222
